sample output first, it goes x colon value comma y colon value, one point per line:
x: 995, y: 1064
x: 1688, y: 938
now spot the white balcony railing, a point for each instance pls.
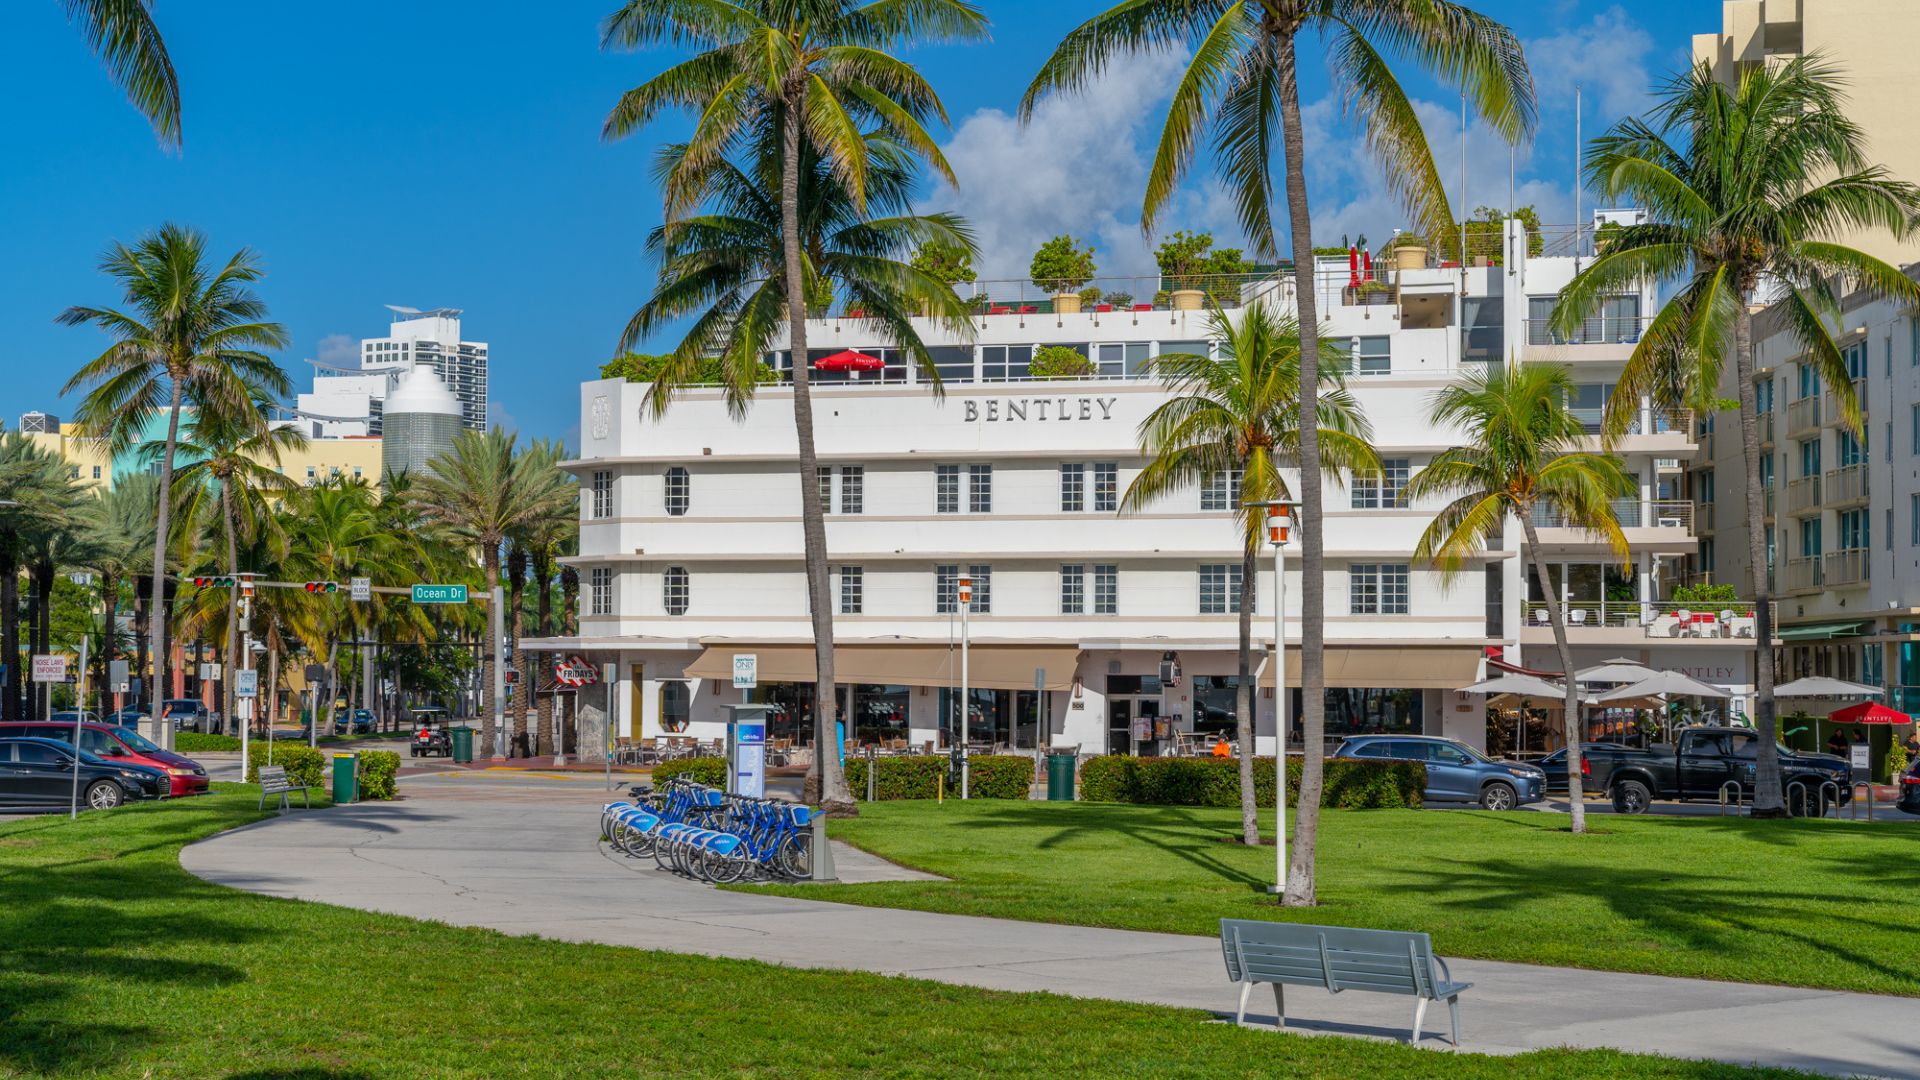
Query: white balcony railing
x: 1803, y: 495
x: 1726, y: 619
x: 1847, y: 484
x: 1847, y: 567
x: 1803, y: 415
x: 1805, y: 573
x: 1631, y: 514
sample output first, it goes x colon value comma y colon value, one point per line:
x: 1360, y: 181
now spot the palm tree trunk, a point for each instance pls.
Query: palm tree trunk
x: 543, y: 584
x: 110, y: 600
x: 490, y: 563
x: 157, y: 603
x: 516, y: 628
x: 825, y: 782
x: 141, y: 606
x: 43, y: 623
x: 1301, y: 888
x: 1243, y: 706
x: 1576, y: 798
x: 227, y: 711
x: 10, y: 625
x: 1768, y: 800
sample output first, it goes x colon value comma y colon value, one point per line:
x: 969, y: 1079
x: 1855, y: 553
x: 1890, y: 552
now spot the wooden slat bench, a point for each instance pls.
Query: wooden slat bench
x: 1337, y: 958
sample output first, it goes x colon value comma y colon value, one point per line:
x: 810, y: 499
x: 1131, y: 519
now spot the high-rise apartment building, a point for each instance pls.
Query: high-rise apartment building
x: 1870, y: 43
x: 351, y: 401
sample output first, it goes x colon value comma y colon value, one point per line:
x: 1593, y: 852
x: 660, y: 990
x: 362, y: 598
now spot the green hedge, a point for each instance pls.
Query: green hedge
x: 378, y: 769
x: 918, y: 776
x: 1350, y: 785
x: 304, y: 764
x: 188, y: 742
x: 711, y: 771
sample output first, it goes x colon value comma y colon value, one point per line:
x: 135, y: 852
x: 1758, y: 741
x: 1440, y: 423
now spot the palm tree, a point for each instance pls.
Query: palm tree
x: 480, y: 492
x: 64, y: 537
x: 1241, y: 414
x: 537, y: 543
x: 812, y: 77
x: 125, y: 539
x: 1242, y: 81
x: 1523, y: 455
x: 123, y: 35
x: 727, y: 269
x: 191, y: 335
x: 1748, y: 188
x: 231, y: 459
x: 36, y: 499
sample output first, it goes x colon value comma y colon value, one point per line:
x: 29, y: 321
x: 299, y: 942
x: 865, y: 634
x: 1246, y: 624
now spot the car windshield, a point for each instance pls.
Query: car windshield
x: 136, y: 742
x: 1472, y: 753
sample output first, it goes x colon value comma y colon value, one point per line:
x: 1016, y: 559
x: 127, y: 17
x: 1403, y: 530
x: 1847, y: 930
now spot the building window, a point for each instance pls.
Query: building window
x: 1373, y: 355
x: 946, y: 589
x: 1853, y: 450
x: 1221, y: 491
x: 674, y: 590
x: 1810, y: 457
x: 852, y: 587
x: 980, y: 489
x: 1763, y: 396
x: 1106, y: 589
x: 1916, y: 431
x: 1073, y: 488
x: 946, y: 489
x: 679, y: 491
x: 1706, y: 554
x: 1073, y: 589
x: 1219, y: 588
x: 602, y: 504
x: 1106, y: 487
x: 96, y: 472
x: 824, y: 473
x: 313, y: 474
x: 1855, y: 530
x: 1382, y: 492
x: 1378, y: 588
x: 853, y: 485
x: 1810, y: 540
x: 600, y: 591
x: 676, y: 705
x: 1913, y: 510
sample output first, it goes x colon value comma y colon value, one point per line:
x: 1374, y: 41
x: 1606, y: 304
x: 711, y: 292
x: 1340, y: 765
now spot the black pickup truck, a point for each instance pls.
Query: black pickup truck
x: 1701, y: 763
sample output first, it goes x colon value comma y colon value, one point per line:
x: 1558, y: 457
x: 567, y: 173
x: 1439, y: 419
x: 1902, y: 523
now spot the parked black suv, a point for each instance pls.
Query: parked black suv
x: 1705, y: 760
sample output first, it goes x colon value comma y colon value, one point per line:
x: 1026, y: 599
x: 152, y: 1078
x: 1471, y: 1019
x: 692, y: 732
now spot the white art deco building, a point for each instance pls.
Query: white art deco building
x: 691, y: 540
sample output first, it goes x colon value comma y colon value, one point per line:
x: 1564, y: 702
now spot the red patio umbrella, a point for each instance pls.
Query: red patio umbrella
x: 1869, y: 712
x: 1366, y: 263
x: 849, y: 361
x: 1353, y: 267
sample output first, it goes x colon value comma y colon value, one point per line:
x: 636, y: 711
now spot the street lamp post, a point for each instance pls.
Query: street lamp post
x: 1281, y: 519
x: 966, y: 705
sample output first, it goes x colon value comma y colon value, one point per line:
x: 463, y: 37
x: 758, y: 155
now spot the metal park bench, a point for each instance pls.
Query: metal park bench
x: 273, y: 781
x: 1337, y: 958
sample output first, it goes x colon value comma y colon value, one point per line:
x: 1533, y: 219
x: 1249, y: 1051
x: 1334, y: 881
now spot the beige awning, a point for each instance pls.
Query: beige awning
x: 993, y: 667
x: 1398, y: 667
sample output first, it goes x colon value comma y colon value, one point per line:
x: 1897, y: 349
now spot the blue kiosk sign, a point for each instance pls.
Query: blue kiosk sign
x: 747, y: 750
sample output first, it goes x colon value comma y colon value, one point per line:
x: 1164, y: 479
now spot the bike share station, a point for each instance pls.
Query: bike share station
x: 747, y: 756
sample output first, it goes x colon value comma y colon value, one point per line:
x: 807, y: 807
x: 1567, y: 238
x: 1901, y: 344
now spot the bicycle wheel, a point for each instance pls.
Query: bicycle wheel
x: 795, y: 857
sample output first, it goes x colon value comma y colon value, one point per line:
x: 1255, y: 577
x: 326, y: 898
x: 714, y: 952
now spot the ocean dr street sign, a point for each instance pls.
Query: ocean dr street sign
x: 439, y: 594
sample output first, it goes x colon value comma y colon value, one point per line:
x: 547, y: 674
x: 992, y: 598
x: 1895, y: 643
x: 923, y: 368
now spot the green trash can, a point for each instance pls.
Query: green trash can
x: 463, y: 744
x: 346, y: 777
x: 1060, y: 763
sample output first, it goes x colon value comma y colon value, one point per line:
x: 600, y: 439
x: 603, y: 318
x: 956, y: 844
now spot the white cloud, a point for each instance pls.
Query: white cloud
x: 1606, y: 57
x: 1079, y: 167
x: 339, y: 350
x: 499, y: 417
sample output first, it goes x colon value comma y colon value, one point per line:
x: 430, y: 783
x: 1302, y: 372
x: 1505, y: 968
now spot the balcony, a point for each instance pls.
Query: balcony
x: 1846, y: 567
x: 1830, y: 412
x: 1631, y: 513
x: 1803, y: 496
x: 1847, y: 486
x: 1805, y: 574
x: 1766, y: 429
x: 1624, y: 621
x: 1803, y: 416
x: 1703, y: 517
x: 1767, y: 501
x: 1602, y: 339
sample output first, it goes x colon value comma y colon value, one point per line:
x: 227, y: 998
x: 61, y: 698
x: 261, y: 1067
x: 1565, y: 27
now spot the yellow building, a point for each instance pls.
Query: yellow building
x: 1870, y: 42
x: 87, y: 459
x: 321, y: 459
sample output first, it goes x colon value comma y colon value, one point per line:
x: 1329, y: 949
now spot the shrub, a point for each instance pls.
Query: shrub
x: 1350, y: 785
x: 919, y: 776
x: 950, y: 263
x: 1059, y: 362
x: 378, y: 769
x: 188, y: 742
x: 708, y: 370
x: 1705, y: 594
x: 711, y: 771
x: 1896, y: 761
x: 304, y: 764
x: 1061, y: 265
x: 1121, y: 301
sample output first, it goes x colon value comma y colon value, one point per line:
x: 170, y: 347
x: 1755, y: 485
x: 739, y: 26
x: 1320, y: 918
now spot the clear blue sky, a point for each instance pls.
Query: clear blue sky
x: 427, y: 152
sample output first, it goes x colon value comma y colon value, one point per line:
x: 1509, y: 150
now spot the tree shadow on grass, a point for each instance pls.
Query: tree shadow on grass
x: 1174, y: 830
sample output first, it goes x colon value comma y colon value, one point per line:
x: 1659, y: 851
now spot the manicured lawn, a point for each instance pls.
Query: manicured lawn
x: 118, y: 963
x: 1805, y: 903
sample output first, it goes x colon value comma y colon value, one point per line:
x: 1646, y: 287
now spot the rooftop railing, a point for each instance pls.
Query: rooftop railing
x: 1666, y: 619
x: 1631, y: 514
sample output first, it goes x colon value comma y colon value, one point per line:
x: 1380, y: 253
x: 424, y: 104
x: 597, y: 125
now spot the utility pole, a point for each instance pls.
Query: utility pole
x: 499, y: 673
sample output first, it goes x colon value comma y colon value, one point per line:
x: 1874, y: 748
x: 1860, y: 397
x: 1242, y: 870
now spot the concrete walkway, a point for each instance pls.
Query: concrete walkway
x: 522, y: 856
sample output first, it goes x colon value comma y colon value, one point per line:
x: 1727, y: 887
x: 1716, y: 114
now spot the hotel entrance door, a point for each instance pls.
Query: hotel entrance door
x: 1130, y: 723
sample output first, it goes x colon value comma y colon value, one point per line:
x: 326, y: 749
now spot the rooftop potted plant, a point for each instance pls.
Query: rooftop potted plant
x: 1183, y: 263
x: 1409, y: 251
x: 947, y: 263
x: 1059, y: 362
x: 1061, y: 267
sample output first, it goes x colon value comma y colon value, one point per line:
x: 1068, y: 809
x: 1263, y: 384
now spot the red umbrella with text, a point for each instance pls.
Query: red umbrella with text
x: 849, y: 361
x: 1869, y: 712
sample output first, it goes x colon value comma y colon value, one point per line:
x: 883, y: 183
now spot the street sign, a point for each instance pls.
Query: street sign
x: 1039, y: 678
x: 117, y: 675
x: 439, y: 594
x: 315, y: 673
x: 48, y: 668
x: 209, y: 672
x: 246, y: 684
x: 746, y: 671
x: 362, y: 589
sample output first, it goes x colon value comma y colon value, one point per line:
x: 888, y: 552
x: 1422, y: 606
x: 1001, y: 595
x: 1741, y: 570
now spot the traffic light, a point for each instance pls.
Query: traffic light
x: 213, y: 582
x: 327, y: 587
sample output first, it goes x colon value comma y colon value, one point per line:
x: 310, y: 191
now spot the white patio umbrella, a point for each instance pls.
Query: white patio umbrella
x: 1530, y: 686
x: 1617, y: 670
x: 1662, y: 682
x: 1819, y: 686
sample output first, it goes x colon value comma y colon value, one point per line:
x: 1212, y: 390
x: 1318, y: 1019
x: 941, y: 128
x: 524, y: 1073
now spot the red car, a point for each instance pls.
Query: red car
x: 185, y: 775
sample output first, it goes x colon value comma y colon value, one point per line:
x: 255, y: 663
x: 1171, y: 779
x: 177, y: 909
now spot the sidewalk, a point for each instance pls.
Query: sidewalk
x: 531, y: 864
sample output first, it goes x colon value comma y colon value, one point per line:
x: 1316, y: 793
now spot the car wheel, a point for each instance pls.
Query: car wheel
x: 105, y: 795
x: 1498, y: 796
x: 1631, y: 797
